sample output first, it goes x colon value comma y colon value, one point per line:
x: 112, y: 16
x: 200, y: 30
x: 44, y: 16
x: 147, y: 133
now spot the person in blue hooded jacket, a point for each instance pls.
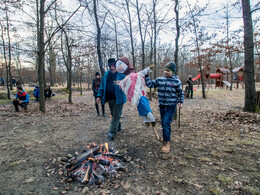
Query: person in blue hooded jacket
x: 36, y: 93
x: 110, y: 92
x: 21, y: 99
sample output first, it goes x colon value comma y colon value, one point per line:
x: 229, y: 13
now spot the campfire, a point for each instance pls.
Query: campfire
x: 94, y: 165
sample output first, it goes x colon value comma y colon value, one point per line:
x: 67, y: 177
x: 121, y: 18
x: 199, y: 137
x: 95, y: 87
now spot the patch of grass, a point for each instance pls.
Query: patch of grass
x: 216, y: 191
x: 251, y: 169
x: 249, y: 142
x: 189, y: 157
x: 205, y: 159
x: 252, y: 190
x: 5, y: 101
x: 15, y: 163
x: 218, y: 154
x: 225, y: 179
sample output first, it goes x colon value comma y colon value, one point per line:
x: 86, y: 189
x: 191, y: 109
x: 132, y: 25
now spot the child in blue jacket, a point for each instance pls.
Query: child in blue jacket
x: 169, y: 95
x: 36, y: 93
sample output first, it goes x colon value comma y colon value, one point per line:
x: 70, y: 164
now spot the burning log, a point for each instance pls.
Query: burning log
x: 82, y: 157
x: 94, y: 165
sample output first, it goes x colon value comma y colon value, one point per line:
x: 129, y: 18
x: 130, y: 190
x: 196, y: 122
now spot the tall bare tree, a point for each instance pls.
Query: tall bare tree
x: 5, y: 60
x: 249, y: 73
x: 131, y: 32
x: 42, y: 43
x: 98, y: 27
x: 177, y: 24
x: 194, y: 25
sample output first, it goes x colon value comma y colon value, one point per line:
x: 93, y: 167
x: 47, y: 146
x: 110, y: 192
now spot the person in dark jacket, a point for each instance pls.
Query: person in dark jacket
x: 21, y: 99
x: 95, y: 87
x: 190, y: 87
x: 13, y: 81
x: 47, y: 92
x: 36, y: 93
x: 110, y: 92
x: 170, y: 95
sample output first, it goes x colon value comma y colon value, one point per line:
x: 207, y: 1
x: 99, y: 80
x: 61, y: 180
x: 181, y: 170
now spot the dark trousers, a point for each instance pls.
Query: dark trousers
x: 116, y: 112
x: 190, y: 93
x: 16, y: 104
x: 97, y: 107
x: 166, y: 113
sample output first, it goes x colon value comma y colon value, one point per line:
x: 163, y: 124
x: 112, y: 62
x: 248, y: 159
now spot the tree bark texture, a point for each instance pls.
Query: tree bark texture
x: 6, y: 65
x: 40, y: 53
x: 176, y: 52
x: 9, y: 50
x: 100, y: 61
x: 249, y: 72
x: 131, y: 33
x: 141, y: 34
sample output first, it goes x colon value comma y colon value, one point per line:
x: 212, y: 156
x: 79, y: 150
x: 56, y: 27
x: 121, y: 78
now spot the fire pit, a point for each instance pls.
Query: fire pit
x: 94, y: 165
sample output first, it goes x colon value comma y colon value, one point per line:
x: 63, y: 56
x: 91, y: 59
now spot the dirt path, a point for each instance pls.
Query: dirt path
x: 216, y: 150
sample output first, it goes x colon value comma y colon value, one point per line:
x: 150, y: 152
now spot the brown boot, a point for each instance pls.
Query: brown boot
x: 166, y: 147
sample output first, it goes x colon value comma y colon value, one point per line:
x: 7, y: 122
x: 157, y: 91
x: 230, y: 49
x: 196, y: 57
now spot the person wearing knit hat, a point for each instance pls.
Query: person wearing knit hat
x: 170, y: 66
x: 110, y: 92
x: 170, y: 95
x: 95, y: 87
x: 111, y: 61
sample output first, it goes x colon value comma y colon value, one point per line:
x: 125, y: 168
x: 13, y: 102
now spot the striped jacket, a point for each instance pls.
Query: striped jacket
x: 169, y: 89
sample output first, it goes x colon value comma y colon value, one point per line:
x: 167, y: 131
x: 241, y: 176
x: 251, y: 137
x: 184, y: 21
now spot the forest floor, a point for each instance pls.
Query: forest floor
x: 216, y: 150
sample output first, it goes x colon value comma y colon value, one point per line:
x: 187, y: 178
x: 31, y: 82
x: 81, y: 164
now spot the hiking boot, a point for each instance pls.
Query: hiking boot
x: 98, y: 115
x: 147, y: 124
x: 166, y: 147
x: 153, y: 124
x: 111, y: 136
x: 104, y: 115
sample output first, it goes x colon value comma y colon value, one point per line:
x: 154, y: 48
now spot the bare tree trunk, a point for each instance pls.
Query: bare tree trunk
x: 198, y: 51
x: 176, y: 52
x: 250, y: 91
x: 68, y: 64
x: 9, y: 49
x: 229, y: 52
x: 155, y: 37
x: 141, y: 34
x: 40, y: 53
x: 117, y: 55
x: 98, y: 39
x: 6, y: 65
x: 52, y: 62
x: 131, y: 33
x: 80, y: 80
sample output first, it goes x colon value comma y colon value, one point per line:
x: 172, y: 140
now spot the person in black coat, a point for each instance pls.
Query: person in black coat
x: 95, y: 87
x: 190, y: 87
x: 47, y: 92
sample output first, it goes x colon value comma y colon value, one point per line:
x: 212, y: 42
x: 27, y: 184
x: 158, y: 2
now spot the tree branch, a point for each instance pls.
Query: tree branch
x: 49, y: 7
x: 61, y: 26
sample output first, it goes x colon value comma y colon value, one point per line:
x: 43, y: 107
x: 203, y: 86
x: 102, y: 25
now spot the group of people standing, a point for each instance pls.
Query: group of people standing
x: 169, y: 88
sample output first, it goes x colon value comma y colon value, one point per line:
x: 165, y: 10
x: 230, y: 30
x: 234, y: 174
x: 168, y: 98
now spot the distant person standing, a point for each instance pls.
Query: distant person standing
x: 95, y: 87
x: 2, y: 81
x: 36, y: 93
x: 47, y: 92
x: 13, y: 81
x: 21, y: 99
x: 190, y: 87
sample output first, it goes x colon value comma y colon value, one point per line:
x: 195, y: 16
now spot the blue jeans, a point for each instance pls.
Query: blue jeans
x: 116, y: 112
x: 166, y: 113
